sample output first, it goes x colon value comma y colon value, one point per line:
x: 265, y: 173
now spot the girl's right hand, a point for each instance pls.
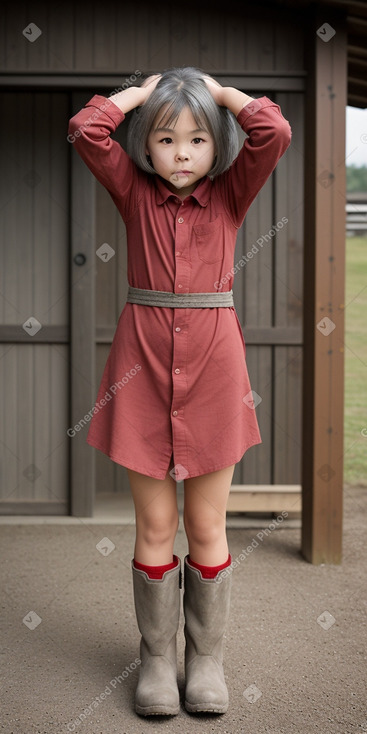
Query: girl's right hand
x: 150, y: 84
x: 215, y: 88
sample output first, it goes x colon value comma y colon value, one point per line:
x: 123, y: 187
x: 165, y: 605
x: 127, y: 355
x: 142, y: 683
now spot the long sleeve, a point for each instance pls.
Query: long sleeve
x: 90, y: 133
x: 269, y: 137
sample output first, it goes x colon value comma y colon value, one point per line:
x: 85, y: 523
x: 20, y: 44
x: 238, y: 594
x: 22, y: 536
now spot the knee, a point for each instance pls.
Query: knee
x: 158, y: 528
x: 204, y: 531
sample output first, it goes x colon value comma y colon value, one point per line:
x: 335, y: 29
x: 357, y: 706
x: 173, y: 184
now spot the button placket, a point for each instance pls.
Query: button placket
x: 180, y: 336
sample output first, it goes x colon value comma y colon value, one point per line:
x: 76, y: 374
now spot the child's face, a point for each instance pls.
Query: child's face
x: 181, y: 154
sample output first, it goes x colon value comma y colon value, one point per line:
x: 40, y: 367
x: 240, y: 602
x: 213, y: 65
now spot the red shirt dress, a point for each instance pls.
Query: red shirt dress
x: 175, y: 379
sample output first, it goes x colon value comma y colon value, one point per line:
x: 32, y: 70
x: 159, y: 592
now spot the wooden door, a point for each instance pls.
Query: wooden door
x: 34, y: 304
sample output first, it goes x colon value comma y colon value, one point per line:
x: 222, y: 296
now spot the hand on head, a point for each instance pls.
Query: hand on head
x: 150, y: 84
x: 215, y: 88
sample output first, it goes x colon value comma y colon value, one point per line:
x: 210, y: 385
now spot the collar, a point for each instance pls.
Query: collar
x: 201, y: 193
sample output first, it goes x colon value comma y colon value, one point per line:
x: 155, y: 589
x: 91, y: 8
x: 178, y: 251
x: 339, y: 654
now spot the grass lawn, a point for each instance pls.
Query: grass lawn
x: 355, y: 422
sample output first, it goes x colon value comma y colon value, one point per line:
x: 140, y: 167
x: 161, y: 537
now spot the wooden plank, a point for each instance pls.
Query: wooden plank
x: 82, y: 289
x: 257, y: 272
x: 58, y: 204
x: 104, y: 36
x: 324, y: 274
x: 25, y: 411
x: 58, y: 424
x: 158, y: 38
x: 285, y: 335
x: 212, y: 45
x: 38, y: 50
x: 127, y: 58
x: 143, y: 51
x: 34, y: 508
x: 82, y: 36
x: 9, y: 458
x: 184, y: 38
x: 264, y: 498
x: 62, y: 28
x: 16, y: 45
x: 287, y: 415
x: 105, y: 479
x: 106, y: 272
x: 289, y: 38
x: 287, y: 250
x: 260, y: 40
x: 15, y: 333
x: 43, y: 251
x: 256, y: 465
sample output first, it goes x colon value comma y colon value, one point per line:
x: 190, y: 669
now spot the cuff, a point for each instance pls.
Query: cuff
x: 252, y: 107
x: 107, y: 107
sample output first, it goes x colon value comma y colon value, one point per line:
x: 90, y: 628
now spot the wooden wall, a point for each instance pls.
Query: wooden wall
x: 95, y: 47
x: 112, y: 36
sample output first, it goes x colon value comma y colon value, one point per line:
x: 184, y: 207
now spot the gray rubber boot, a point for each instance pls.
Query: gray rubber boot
x: 206, y: 609
x: 157, y: 606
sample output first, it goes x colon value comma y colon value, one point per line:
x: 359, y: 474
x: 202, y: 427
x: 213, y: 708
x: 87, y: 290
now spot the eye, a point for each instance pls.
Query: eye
x: 198, y: 140
x: 164, y: 140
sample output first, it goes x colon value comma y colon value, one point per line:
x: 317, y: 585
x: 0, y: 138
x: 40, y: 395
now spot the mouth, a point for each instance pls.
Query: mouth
x: 182, y: 173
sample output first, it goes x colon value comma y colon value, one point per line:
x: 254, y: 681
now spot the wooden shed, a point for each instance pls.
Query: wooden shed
x: 60, y: 301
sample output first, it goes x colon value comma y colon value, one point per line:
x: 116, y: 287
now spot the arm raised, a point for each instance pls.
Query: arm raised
x: 133, y: 97
x: 227, y: 96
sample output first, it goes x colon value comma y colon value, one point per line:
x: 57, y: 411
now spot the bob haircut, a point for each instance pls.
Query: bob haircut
x: 178, y: 88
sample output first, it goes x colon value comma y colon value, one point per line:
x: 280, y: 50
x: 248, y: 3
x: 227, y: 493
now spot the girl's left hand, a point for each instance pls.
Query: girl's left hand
x: 149, y: 84
x: 215, y: 89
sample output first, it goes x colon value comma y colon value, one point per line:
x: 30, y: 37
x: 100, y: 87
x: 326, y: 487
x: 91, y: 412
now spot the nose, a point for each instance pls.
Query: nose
x: 181, y: 154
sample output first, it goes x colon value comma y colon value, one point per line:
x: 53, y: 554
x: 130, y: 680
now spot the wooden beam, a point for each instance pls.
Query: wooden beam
x: 324, y: 272
x: 279, y: 80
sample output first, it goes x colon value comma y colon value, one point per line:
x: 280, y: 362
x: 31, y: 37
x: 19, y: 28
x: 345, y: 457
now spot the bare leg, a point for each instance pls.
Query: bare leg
x: 156, y: 516
x: 205, y: 516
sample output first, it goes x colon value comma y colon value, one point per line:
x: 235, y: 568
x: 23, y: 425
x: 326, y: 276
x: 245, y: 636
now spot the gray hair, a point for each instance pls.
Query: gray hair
x: 181, y: 87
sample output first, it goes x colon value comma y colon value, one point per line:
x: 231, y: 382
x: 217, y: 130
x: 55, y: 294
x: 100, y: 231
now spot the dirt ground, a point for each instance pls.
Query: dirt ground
x: 295, y: 648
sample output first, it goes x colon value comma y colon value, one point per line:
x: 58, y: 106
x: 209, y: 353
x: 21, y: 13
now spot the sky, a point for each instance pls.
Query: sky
x: 356, y: 136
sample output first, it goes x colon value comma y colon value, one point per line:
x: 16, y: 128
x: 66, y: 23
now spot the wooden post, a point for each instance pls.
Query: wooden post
x: 323, y: 300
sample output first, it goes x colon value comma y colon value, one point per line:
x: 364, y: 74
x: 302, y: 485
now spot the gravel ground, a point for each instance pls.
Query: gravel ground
x: 295, y: 649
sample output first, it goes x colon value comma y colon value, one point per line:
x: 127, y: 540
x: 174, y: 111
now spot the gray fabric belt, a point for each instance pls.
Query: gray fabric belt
x: 166, y: 299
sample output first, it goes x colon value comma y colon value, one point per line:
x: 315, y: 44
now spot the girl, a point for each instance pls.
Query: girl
x: 174, y: 400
